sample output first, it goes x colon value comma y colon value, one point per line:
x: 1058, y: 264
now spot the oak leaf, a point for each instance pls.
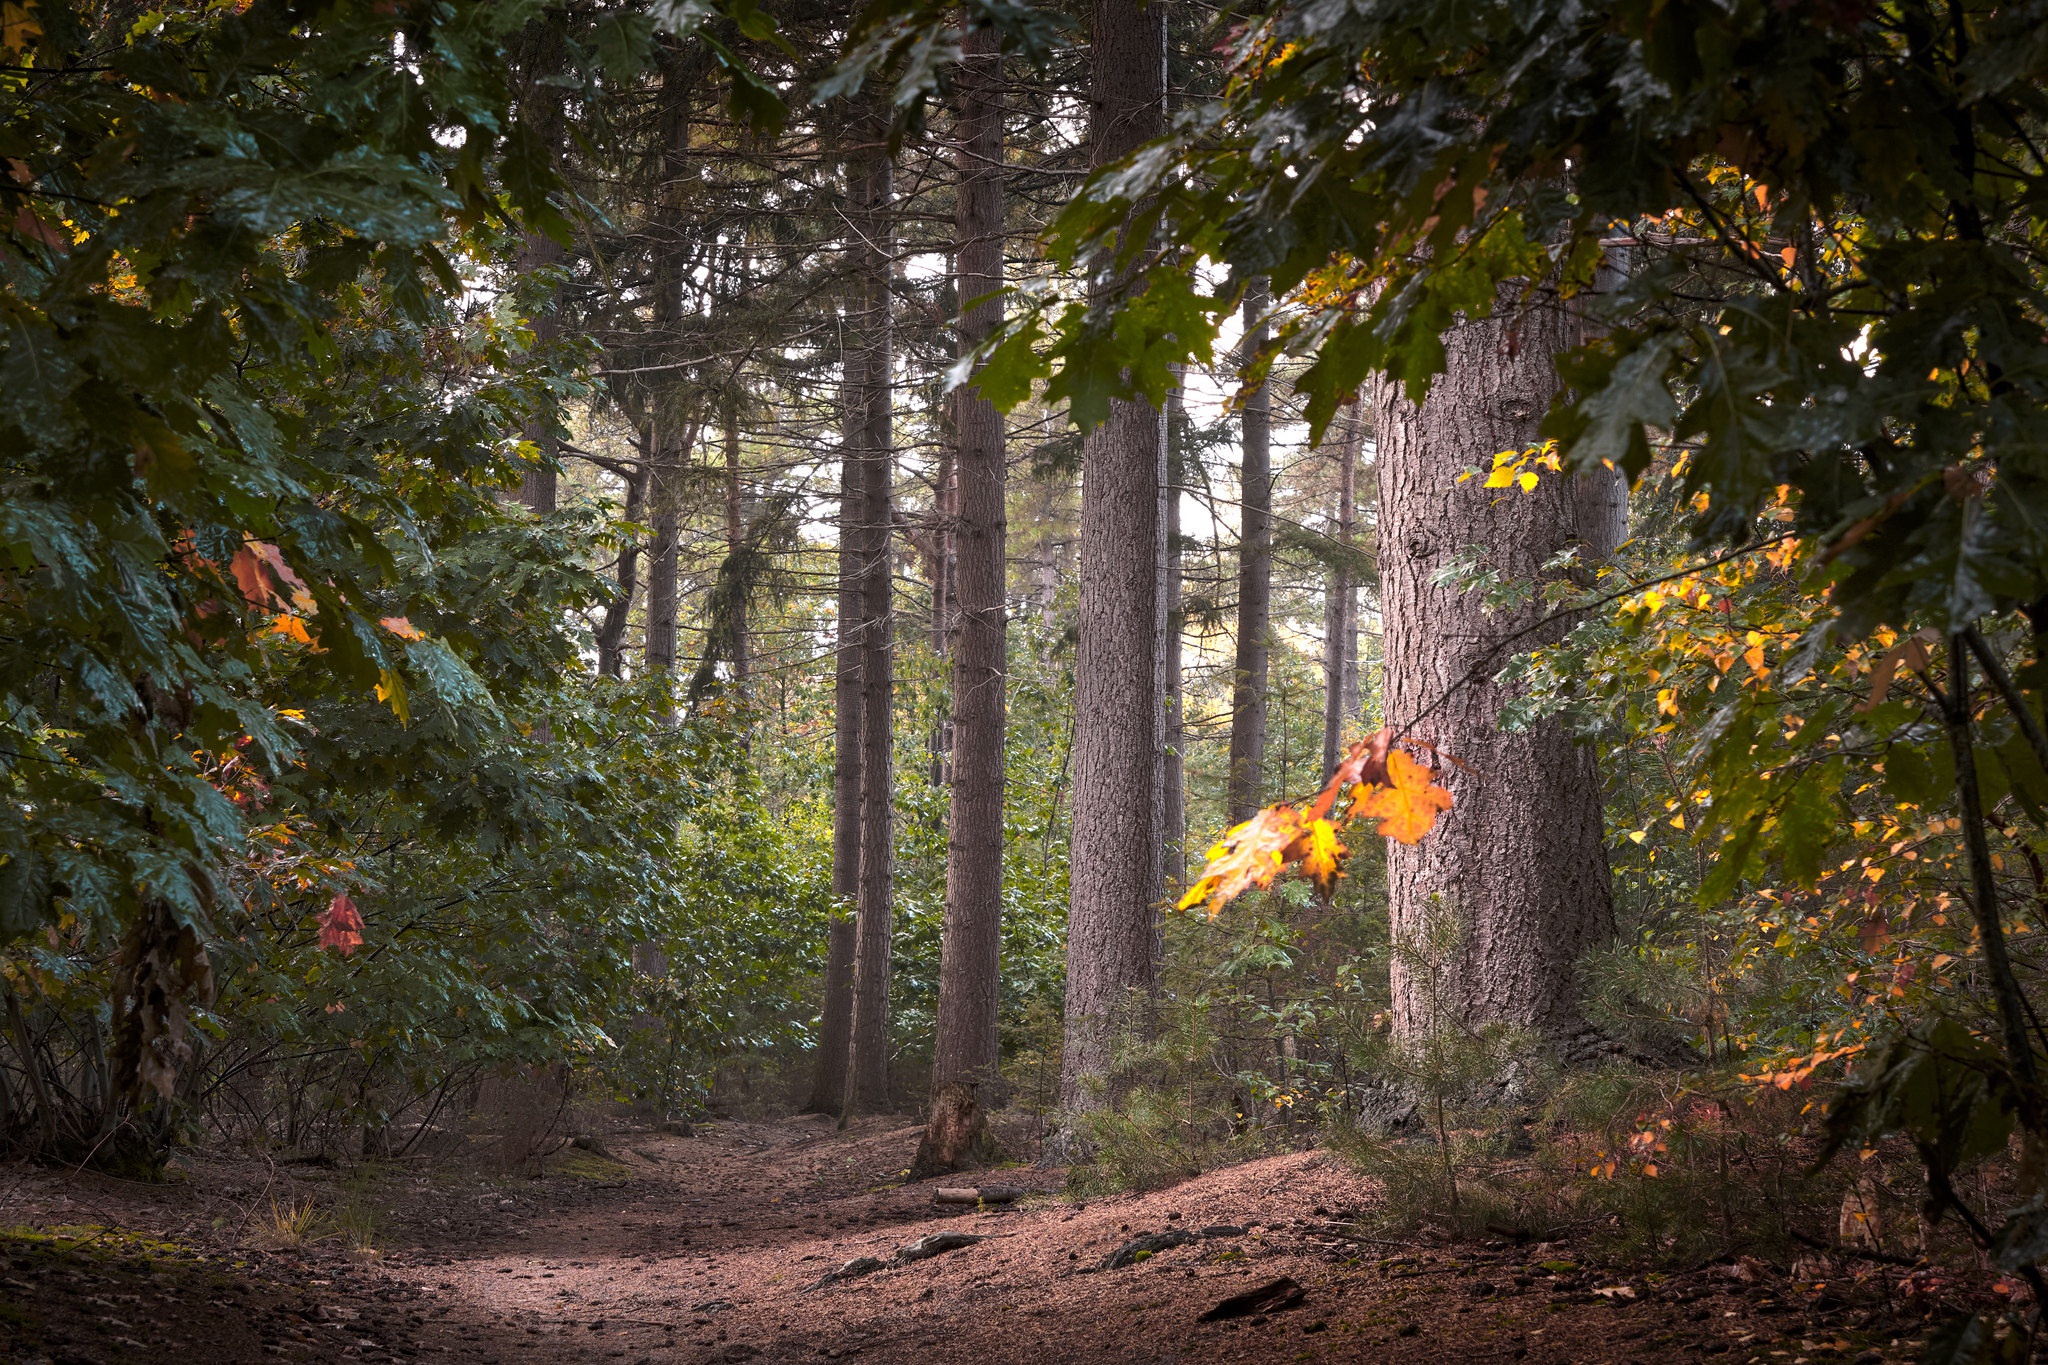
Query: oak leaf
x: 1322, y: 854
x: 1407, y: 806
x: 1250, y: 855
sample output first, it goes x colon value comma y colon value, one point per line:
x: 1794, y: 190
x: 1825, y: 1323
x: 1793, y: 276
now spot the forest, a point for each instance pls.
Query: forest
x: 1024, y: 680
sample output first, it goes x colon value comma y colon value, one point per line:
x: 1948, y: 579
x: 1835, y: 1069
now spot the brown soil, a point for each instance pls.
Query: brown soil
x: 703, y: 1249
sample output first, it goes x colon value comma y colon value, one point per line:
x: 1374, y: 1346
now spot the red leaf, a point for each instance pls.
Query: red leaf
x: 341, y: 926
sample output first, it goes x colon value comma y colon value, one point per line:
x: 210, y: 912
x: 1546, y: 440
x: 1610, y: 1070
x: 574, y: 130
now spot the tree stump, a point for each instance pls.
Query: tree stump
x: 956, y: 1137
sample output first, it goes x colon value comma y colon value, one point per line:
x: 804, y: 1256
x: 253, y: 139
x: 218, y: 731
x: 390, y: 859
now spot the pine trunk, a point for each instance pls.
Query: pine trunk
x: 1340, y: 605
x: 1519, y: 862
x: 835, y: 1025
x: 868, y: 1066
x: 966, y: 1047
x: 538, y: 487
x: 611, y: 633
x: 735, y: 535
x: 1254, y: 584
x: 1173, y: 817
x: 1109, y: 920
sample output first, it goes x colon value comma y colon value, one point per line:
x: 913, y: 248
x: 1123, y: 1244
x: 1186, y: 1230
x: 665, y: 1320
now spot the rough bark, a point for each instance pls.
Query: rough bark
x: 869, y: 211
x: 966, y: 1048
x: 956, y: 1135
x: 1520, y: 861
x: 1254, y: 584
x: 1109, y: 920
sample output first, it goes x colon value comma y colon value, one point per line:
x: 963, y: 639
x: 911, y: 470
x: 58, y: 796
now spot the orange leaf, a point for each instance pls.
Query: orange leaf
x: 1407, y: 808
x: 402, y: 628
x: 291, y: 626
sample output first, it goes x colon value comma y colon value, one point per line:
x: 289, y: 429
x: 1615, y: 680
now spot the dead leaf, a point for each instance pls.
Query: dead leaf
x: 341, y: 926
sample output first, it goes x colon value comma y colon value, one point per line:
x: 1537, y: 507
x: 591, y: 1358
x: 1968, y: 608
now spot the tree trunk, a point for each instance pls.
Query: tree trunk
x: 966, y: 1048
x: 870, y: 213
x: 735, y: 534
x: 1173, y: 816
x: 538, y: 487
x: 1109, y: 920
x: 835, y: 1026
x: 1520, y: 861
x: 665, y: 475
x: 611, y: 634
x: 1340, y: 603
x: 669, y: 449
x: 1254, y: 584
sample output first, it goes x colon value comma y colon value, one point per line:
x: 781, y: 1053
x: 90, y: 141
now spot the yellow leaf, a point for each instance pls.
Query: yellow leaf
x: 1248, y: 856
x: 1321, y: 859
x: 1499, y: 478
x: 391, y: 691
x: 1528, y: 482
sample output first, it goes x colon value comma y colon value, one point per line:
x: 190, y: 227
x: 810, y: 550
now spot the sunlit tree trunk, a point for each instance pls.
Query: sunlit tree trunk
x: 870, y: 213
x: 735, y: 534
x: 1173, y: 816
x: 970, y: 952
x: 835, y: 1026
x: 1340, y: 602
x: 1109, y: 921
x: 1520, y: 861
x: 1254, y: 584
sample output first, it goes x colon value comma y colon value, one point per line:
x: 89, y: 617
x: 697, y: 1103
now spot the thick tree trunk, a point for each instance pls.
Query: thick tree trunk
x: 1109, y: 920
x: 1520, y: 862
x: 1254, y: 584
x: 871, y: 214
x: 1340, y: 603
x: 966, y: 1048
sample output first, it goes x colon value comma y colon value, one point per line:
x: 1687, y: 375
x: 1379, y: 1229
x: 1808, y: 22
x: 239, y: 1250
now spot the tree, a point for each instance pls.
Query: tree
x: 835, y: 1028
x: 871, y: 216
x: 1340, y: 604
x: 1254, y: 578
x: 1115, y: 821
x: 969, y: 982
x: 1521, y: 867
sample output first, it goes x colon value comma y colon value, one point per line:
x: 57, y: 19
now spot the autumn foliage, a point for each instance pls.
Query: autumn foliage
x: 1376, y: 781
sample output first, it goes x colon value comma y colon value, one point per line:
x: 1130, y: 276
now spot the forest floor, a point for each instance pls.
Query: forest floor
x: 707, y: 1248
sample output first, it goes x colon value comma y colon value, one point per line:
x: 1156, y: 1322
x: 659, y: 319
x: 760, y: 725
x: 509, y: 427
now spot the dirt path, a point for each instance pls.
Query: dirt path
x: 685, y: 1251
